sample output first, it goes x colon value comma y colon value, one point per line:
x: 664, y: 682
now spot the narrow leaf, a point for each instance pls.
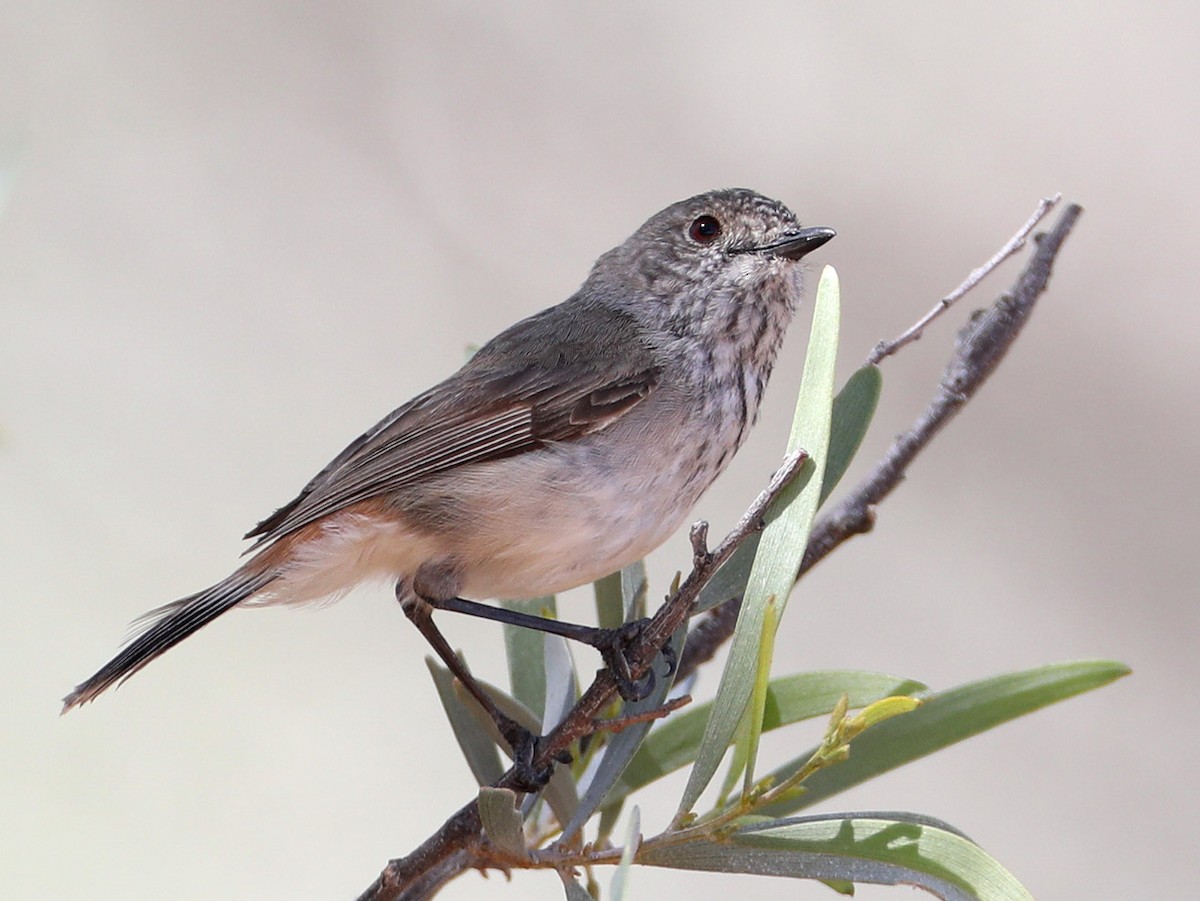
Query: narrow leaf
x: 790, y: 699
x: 476, y: 744
x: 853, y: 409
x: 501, y: 821
x: 574, y: 891
x: 610, y: 608
x: 634, y: 587
x: 944, y: 718
x: 892, y: 850
x: 758, y: 698
x: 737, y: 759
x: 633, y: 838
x: 561, y: 687
x: 782, y: 543
x: 523, y: 647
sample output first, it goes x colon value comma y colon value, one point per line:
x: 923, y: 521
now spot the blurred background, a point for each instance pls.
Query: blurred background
x: 234, y: 235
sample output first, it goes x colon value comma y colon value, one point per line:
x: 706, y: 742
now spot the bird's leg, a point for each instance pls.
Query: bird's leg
x: 613, y: 644
x: 522, y: 742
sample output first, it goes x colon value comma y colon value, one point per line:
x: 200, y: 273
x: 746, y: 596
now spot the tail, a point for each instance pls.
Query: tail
x: 167, y: 626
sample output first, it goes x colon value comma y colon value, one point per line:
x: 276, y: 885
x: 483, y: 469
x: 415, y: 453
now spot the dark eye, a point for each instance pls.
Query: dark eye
x: 705, y: 229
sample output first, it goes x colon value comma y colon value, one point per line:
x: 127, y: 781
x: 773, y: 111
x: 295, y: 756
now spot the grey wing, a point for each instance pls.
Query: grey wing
x: 471, y: 417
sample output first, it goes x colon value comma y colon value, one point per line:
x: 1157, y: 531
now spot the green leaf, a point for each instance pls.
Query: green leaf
x: 574, y: 891
x: 476, y: 744
x: 758, y: 698
x: 944, y: 718
x: 886, y: 849
x: 620, y: 880
x: 841, y: 886
x: 790, y: 699
x: 501, y: 820
x: 610, y: 608
x: 562, y: 688
x: 853, y: 409
x: 634, y: 587
x: 524, y: 649
x: 621, y: 596
x: 737, y: 759
x: 782, y: 543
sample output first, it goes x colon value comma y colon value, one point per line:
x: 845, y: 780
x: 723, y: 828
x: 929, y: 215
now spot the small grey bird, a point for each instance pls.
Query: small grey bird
x: 570, y: 445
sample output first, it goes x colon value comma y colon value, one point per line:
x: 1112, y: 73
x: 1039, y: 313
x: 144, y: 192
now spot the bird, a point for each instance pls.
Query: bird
x: 570, y: 445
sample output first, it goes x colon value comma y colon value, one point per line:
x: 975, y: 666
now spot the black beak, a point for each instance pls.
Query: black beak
x: 798, y: 244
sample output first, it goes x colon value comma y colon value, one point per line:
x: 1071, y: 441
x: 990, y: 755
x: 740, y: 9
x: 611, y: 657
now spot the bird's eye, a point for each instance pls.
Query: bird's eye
x: 704, y: 229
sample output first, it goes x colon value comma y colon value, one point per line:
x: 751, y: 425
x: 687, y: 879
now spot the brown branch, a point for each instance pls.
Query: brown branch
x: 459, y: 843
x: 621, y: 723
x: 1015, y: 243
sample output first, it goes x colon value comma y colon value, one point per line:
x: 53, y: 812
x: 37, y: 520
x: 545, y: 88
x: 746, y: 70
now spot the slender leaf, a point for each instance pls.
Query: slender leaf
x: 476, y: 744
x: 608, y: 822
x: 758, y: 697
x: 633, y: 839
x: 623, y: 745
x: 790, y: 699
x: 634, y: 588
x: 730, y: 580
x: 890, y: 849
x: 610, y: 608
x: 781, y: 547
x: 523, y: 647
x: 561, y: 686
x: 501, y: 821
x: 737, y: 759
x: 574, y: 891
x: 944, y: 718
x: 853, y: 409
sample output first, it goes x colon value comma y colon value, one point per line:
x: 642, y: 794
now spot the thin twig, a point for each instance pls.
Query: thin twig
x: 1015, y: 243
x: 621, y: 723
x: 459, y: 844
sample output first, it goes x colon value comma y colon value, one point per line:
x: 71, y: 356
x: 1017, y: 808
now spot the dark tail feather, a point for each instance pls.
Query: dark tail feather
x: 166, y: 627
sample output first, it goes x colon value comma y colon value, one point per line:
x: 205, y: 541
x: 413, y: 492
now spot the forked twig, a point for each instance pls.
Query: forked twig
x: 1015, y: 243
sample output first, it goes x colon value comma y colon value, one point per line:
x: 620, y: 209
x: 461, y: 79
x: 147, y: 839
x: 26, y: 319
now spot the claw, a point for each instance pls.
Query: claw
x: 672, y: 660
x: 613, y: 646
x: 526, y: 778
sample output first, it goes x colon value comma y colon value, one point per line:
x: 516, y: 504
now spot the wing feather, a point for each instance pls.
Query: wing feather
x: 450, y: 427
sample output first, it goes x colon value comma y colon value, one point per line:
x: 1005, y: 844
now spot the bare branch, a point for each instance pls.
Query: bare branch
x: 621, y: 723
x: 1015, y: 243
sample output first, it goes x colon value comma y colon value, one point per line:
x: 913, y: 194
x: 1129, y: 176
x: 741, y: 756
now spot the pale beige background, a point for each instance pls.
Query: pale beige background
x: 234, y: 235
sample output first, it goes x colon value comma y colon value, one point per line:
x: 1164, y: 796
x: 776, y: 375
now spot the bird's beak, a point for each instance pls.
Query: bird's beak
x: 798, y: 244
